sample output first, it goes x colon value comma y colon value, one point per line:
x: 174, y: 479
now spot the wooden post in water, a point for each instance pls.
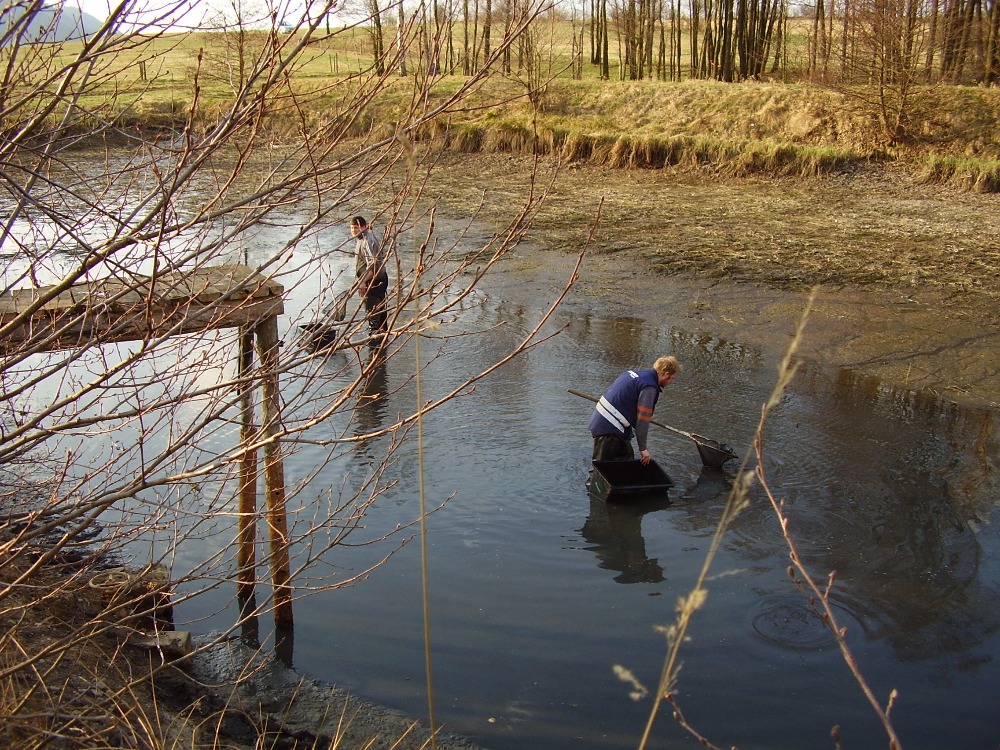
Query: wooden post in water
x: 246, y: 537
x: 93, y: 313
x: 274, y: 473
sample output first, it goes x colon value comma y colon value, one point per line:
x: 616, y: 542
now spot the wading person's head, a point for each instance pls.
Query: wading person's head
x: 358, y: 225
x: 666, y: 368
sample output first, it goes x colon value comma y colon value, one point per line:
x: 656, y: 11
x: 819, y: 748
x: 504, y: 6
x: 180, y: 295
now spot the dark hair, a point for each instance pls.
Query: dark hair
x: 359, y: 221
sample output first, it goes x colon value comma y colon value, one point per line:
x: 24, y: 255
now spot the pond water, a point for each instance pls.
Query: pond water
x: 536, y: 590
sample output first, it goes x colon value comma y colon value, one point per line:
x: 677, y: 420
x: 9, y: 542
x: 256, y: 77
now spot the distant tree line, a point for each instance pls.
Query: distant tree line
x: 845, y: 41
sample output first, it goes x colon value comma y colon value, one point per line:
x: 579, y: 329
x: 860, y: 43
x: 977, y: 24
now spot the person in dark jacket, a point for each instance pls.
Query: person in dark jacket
x: 370, y: 267
x: 626, y: 407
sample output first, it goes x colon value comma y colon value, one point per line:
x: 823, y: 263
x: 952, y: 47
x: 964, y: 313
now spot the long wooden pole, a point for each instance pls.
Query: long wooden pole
x: 274, y: 473
x: 652, y: 421
x: 246, y: 537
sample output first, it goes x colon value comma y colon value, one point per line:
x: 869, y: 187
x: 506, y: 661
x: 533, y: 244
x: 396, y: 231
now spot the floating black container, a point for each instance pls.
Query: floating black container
x: 628, y: 481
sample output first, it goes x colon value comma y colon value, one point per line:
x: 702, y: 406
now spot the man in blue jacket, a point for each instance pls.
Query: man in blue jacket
x: 628, y: 406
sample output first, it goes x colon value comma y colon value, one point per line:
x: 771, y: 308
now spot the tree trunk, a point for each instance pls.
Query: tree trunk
x: 991, y: 73
x: 400, y: 38
x: 378, y: 41
x: 605, y: 67
x: 487, y: 24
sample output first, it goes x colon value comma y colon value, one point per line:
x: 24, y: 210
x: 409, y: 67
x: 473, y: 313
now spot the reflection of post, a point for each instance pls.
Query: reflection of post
x: 249, y: 627
x: 284, y: 645
x: 247, y: 528
x: 274, y: 473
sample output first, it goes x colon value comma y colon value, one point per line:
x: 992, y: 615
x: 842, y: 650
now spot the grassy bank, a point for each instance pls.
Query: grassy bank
x: 951, y: 132
x: 737, y: 129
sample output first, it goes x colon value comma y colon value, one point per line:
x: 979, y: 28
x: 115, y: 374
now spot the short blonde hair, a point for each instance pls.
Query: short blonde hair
x: 667, y: 365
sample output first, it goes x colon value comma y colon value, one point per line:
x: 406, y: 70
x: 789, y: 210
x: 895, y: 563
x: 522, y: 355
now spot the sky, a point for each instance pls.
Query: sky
x: 193, y: 12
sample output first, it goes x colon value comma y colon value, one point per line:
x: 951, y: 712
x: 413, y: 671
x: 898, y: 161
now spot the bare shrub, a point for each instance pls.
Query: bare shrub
x: 150, y: 426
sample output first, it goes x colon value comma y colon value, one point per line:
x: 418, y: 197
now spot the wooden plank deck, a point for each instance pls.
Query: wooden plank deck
x: 109, y: 310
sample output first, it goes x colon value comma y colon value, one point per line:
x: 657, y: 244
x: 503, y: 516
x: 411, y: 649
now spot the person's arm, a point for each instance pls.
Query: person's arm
x: 378, y: 254
x: 644, y: 413
x: 366, y: 261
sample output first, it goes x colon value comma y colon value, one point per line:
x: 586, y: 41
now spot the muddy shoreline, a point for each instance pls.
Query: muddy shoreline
x: 906, y: 276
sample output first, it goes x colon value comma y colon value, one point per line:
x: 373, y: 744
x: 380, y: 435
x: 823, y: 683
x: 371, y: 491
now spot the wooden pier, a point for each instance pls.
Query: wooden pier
x: 150, y: 308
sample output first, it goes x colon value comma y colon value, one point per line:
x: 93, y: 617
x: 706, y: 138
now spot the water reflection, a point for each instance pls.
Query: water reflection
x: 249, y: 624
x: 284, y: 645
x: 913, y: 571
x: 885, y: 486
x: 962, y: 446
x: 619, y: 339
x: 624, y: 341
x: 371, y: 404
x: 882, y: 484
x: 712, y: 484
x: 615, y: 535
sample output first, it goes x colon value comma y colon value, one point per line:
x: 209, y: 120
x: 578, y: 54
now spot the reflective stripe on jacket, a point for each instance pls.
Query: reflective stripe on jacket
x: 615, y: 413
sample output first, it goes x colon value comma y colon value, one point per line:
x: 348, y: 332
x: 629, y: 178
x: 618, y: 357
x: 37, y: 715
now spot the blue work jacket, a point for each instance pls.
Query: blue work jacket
x: 616, y: 410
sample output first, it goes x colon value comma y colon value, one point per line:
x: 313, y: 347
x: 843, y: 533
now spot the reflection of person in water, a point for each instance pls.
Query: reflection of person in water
x: 615, y: 533
x: 371, y: 398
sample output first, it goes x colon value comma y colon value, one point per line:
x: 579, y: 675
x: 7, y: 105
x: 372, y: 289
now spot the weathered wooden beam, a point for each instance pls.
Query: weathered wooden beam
x: 181, y: 302
x: 274, y: 473
x: 246, y: 537
x: 114, y: 310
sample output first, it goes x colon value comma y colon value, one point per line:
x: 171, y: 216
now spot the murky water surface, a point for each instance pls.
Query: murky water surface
x: 537, y: 591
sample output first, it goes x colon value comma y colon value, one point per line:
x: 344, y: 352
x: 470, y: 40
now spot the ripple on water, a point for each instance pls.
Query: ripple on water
x: 789, y: 621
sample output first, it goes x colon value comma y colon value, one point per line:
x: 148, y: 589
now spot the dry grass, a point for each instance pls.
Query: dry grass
x: 625, y: 151
x: 72, y: 678
x: 737, y: 129
x: 66, y: 681
x: 764, y: 127
x: 975, y: 175
x: 77, y: 670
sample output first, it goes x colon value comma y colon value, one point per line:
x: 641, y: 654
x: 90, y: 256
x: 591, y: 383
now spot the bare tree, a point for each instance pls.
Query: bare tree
x: 378, y: 39
x: 401, y: 38
x: 141, y: 419
x: 241, y: 31
x: 888, y: 58
x: 992, y: 62
x: 603, y: 40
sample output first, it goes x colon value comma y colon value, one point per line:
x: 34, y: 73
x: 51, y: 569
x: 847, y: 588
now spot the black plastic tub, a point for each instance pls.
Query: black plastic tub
x: 628, y: 481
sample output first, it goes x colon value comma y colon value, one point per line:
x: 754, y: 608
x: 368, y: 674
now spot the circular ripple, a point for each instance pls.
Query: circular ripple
x: 790, y: 622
